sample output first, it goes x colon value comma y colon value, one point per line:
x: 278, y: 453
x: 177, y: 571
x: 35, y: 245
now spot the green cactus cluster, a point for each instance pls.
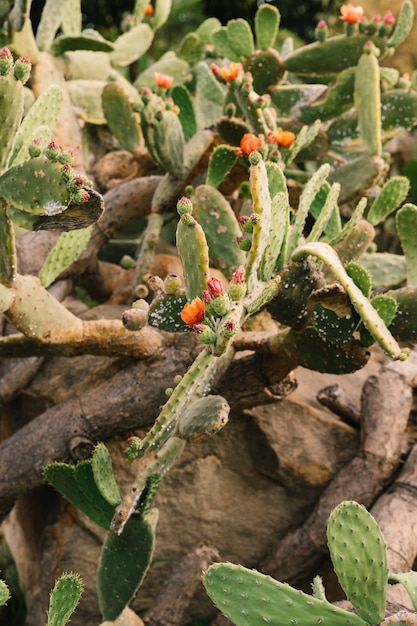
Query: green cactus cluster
x: 358, y: 552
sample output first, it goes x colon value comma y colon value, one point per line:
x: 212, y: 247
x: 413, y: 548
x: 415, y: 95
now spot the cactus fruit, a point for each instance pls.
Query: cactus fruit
x: 359, y: 557
x: 124, y: 561
x: 203, y: 417
x: 249, y: 598
x: 64, y: 598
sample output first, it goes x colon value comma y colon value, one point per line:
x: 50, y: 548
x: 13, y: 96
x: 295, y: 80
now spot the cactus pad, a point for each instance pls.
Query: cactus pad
x: 249, y: 598
x: 203, y: 417
x: 359, y: 557
x: 64, y: 598
x: 124, y: 561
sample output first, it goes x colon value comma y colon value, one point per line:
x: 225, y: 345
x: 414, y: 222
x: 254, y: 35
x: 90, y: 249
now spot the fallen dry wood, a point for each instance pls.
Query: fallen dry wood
x: 124, y: 403
x: 180, y: 587
x: 385, y: 408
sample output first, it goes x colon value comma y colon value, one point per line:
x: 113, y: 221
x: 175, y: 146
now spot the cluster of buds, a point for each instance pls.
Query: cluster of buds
x: 202, y: 314
x: 354, y: 20
x: 21, y: 67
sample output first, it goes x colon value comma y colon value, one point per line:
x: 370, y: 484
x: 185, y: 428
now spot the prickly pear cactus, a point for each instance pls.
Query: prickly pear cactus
x: 124, y: 561
x: 359, y: 557
x: 249, y: 598
x: 64, y: 599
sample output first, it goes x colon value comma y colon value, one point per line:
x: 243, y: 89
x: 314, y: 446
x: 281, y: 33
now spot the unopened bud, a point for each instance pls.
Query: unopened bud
x: 244, y: 243
x: 6, y: 61
x: 184, y: 205
x: 22, y: 69
x: 172, y: 284
x: 205, y: 333
x: 52, y: 151
x: 228, y: 329
x: 35, y: 148
x: 219, y: 306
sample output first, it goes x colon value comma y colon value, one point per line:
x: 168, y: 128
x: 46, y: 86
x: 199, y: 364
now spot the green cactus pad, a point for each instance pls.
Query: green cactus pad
x: 266, y: 67
x: 359, y: 556
x: 387, y: 270
x: 232, y: 129
x: 223, y: 45
x: 66, y: 250
x: 11, y: 111
x: 44, y: 112
x: 89, y: 39
x: 392, y: 195
x: 221, y: 161
x: 298, y: 281
x: 131, y: 45
x: 49, y: 24
x: 124, y: 561
x: 35, y: 186
x: 221, y: 228
x: 190, y: 48
x: 64, y: 598
x: 165, y: 314
x: 240, y: 37
x: 409, y: 581
x: 333, y: 225
x: 335, y: 100
x: 8, y: 257
x: 77, y: 484
x: 398, y: 110
x: 360, y: 276
x: 169, y: 64
x: 387, y: 307
x: 267, y: 20
x: 367, y: 97
x: 209, y: 96
x: 406, y: 220
x: 356, y: 176
x: 333, y: 55
x: 354, y: 238
x: 403, y: 25
x: 193, y: 250
x: 161, y: 13
x: 204, y: 417
x: 85, y: 95
x: 4, y: 593
x: 404, y: 325
x: 277, y: 234
x: 21, y: 218
x: 71, y: 21
x: 249, y: 598
x: 182, y: 98
x: 121, y: 119
x: 169, y: 144
x: 104, y: 475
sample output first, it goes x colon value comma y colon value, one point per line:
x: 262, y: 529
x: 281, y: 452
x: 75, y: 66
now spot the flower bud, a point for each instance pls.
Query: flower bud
x: 52, y: 151
x: 172, y: 284
x: 237, y: 285
x: 184, y: 205
x: 6, y: 61
x: 22, y: 69
x: 219, y: 305
x: 215, y: 287
x: 244, y: 243
x: 205, y: 333
x: 228, y: 329
x: 35, y: 148
x: 322, y: 31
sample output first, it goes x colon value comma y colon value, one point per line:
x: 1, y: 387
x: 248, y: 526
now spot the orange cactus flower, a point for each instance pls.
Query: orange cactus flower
x: 163, y: 80
x: 351, y: 14
x: 149, y: 10
x: 249, y: 143
x: 231, y: 72
x: 193, y: 312
x: 285, y: 138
